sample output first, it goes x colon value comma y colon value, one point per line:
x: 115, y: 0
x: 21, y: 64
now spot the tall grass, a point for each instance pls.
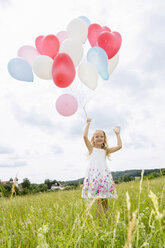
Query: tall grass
x: 63, y: 219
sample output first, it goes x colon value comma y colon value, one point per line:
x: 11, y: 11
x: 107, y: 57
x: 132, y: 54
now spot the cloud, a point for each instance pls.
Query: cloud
x: 34, y: 118
x: 56, y: 149
x: 108, y: 116
x: 12, y: 164
x: 5, y: 2
x: 151, y: 39
x: 6, y: 149
x: 130, y: 83
x: 139, y: 142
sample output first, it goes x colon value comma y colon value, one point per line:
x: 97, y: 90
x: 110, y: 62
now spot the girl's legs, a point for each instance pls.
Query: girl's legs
x: 105, y: 206
x: 102, y: 207
x: 98, y: 210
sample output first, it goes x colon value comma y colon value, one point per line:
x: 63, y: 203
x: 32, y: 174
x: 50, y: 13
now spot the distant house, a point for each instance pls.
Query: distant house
x: 11, y: 181
x: 55, y: 186
x: 4, y: 182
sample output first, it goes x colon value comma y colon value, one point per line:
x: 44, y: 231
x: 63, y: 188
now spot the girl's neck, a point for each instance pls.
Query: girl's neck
x: 98, y: 146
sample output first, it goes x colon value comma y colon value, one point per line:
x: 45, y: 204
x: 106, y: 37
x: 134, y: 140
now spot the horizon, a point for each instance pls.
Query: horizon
x: 77, y: 178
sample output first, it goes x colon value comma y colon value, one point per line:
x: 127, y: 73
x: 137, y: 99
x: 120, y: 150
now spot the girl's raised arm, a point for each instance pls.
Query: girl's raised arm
x: 119, y: 142
x: 85, y: 136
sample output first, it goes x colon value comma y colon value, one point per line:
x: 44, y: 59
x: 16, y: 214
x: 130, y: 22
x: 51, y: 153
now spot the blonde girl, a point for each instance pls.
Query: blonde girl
x: 98, y: 181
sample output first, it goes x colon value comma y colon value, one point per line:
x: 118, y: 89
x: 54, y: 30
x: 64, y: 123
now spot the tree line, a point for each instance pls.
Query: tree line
x: 26, y: 187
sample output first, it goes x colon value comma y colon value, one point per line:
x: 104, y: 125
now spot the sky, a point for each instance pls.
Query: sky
x: 38, y: 143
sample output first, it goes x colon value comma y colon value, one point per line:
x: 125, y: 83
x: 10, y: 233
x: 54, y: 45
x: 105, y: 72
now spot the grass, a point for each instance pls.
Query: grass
x: 63, y: 219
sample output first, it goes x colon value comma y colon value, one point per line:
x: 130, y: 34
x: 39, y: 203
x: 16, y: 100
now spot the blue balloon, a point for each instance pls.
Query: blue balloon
x: 20, y: 69
x: 98, y: 57
x: 84, y: 18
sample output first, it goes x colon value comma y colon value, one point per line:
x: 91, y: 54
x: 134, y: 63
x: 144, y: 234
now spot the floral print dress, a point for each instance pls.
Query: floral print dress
x: 98, y: 181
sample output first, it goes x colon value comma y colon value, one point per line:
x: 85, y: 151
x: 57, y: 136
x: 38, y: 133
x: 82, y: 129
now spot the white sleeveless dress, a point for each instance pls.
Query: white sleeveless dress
x: 98, y: 181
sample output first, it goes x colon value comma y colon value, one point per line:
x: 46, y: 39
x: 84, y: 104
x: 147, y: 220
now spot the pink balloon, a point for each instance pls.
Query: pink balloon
x: 28, y: 53
x: 66, y: 105
x: 62, y: 36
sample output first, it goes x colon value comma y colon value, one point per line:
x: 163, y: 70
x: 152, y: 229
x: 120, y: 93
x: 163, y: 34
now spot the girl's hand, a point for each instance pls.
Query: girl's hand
x: 89, y: 120
x: 117, y: 130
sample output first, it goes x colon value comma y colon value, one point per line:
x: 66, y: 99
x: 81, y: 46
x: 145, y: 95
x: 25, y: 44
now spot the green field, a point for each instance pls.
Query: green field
x: 63, y: 219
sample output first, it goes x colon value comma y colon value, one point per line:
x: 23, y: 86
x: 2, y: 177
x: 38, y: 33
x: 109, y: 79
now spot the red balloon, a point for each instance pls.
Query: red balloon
x: 38, y: 43
x: 47, y: 45
x: 110, y: 42
x: 106, y: 29
x: 94, y: 31
x: 63, y: 70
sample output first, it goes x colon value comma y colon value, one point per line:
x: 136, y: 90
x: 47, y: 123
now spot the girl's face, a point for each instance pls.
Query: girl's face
x: 98, y: 138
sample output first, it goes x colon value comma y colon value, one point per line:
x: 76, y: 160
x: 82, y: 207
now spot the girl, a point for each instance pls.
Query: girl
x: 98, y: 181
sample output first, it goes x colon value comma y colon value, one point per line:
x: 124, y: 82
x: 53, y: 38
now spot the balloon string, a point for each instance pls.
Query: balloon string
x: 79, y: 96
x: 85, y: 112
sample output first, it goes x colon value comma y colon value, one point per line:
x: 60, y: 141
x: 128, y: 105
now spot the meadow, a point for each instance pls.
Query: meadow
x: 63, y: 219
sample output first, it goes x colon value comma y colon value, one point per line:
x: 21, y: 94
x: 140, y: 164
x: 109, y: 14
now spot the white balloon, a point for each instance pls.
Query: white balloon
x: 42, y: 67
x: 74, y: 48
x: 88, y: 75
x: 112, y: 63
x: 78, y: 29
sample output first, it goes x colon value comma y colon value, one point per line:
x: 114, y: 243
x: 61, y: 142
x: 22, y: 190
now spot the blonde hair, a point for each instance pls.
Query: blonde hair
x: 105, y: 144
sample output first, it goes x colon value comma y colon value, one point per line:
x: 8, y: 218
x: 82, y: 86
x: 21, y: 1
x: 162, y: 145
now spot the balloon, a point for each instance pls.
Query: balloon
x: 73, y: 47
x: 63, y: 70
x: 38, y: 43
x: 66, y: 105
x: 106, y: 29
x: 88, y: 75
x: 20, y: 69
x: 84, y: 18
x: 110, y: 42
x: 94, y: 30
x: 98, y: 57
x: 62, y: 35
x: 28, y: 53
x: 78, y: 29
x: 48, y: 45
x: 112, y: 63
x: 42, y: 67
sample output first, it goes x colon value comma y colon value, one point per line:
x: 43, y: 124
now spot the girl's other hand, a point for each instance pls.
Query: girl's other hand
x: 89, y: 120
x: 117, y: 129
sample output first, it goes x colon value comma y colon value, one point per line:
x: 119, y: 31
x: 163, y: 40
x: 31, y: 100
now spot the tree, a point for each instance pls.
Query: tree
x: 126, y: 178
x: 26, y: 183
x: 45, y: 187
x: 25, y: 191
x: 48, y: 183
x: 55, y: 182
x: 2, y: 190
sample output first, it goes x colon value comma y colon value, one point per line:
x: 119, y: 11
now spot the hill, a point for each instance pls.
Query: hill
x: 119, y: 174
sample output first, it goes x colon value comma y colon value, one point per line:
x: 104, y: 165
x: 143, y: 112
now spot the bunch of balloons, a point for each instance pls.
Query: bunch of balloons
x: 57, y: 56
